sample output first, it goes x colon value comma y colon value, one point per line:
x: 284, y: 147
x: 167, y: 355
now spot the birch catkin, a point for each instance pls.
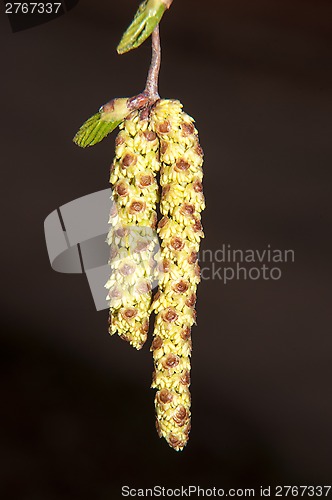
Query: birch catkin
x: 135, y: 193
x: 155, y: 136
x: 162, y: 138
x: 180, y: 232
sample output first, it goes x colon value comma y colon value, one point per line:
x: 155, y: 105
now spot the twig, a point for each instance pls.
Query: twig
x: 151, y: 87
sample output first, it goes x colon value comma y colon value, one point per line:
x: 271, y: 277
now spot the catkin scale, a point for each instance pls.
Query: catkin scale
x: 135, y: 194
x: 180, y: 232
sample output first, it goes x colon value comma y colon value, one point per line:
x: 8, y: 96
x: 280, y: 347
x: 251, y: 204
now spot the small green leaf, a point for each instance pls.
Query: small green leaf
x: 146, y: 19
x: 96, y: 128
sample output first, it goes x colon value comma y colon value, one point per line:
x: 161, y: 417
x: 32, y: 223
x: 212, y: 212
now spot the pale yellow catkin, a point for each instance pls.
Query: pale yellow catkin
x: 133, y: 219
x: 180, y: 232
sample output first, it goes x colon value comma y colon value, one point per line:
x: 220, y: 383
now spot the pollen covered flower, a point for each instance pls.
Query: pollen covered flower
x: 180, y: 231
x: 132, y: 221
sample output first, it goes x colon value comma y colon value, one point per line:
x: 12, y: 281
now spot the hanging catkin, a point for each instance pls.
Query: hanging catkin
x: 180, y: 232
x: 132, y: 219
x: 155, y: 136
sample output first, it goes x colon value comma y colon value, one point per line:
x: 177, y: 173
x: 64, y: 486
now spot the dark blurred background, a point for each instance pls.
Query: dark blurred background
x: 77, y: 416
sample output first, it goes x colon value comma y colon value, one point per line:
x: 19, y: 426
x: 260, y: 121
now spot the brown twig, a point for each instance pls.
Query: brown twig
x: 150, y: 95
x: 151, y: 87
